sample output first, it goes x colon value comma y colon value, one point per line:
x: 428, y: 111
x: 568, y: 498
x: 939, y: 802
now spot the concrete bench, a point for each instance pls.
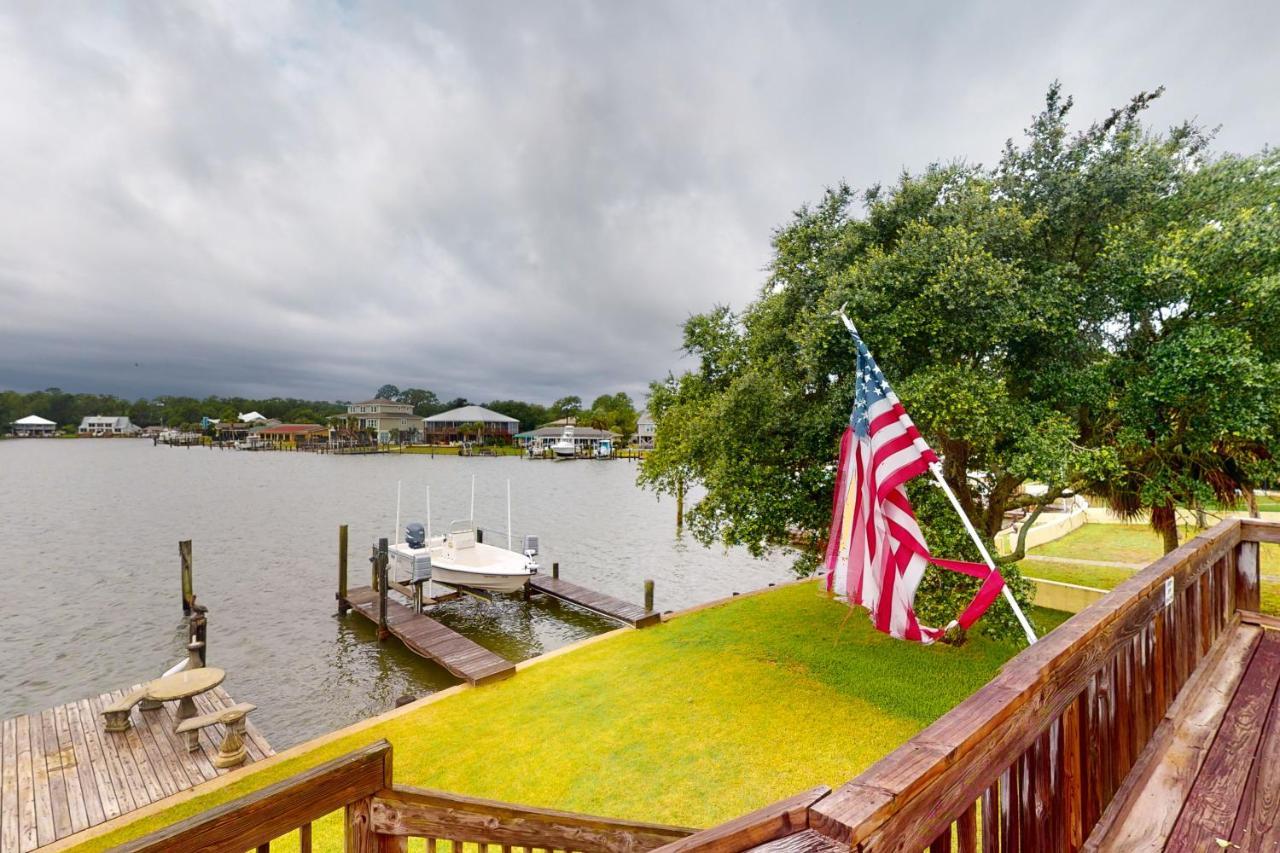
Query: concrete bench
x: 231, y: 752
x: 116, y: 715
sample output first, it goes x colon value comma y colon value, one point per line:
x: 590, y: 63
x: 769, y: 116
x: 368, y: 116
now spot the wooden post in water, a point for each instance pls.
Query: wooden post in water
x: 200, y: 636
x: 383, y: 633
x: 373, y: 568
x: 680, y: 505
x: 342, y: 570
x: 648, y: 595
x: 480, y: 535
x: 188, y: 590
x: 555, y: 570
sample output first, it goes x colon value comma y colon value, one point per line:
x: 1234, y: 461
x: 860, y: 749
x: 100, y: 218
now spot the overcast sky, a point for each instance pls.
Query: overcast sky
x: 520, y: 199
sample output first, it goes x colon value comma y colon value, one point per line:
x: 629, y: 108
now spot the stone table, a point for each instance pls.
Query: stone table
x: 184, y: 686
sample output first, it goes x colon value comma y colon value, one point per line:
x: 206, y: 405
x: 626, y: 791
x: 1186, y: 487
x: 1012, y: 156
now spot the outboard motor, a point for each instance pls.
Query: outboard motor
x: 415, y: 535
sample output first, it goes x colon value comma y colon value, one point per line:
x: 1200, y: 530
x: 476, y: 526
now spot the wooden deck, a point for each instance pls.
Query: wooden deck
x: 426, y: 637
x: 60, y: 773
x: 597, y: 602
x: 1212, y: 768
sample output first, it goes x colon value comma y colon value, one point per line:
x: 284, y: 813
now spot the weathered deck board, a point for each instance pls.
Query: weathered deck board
x: 61, y: 773
x: 597, y: 602
x: 1210, y: 809
x: 426, y: 637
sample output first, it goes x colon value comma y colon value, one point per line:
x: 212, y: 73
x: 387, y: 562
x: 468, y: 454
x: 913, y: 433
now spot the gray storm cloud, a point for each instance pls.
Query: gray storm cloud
x: 498, y: 199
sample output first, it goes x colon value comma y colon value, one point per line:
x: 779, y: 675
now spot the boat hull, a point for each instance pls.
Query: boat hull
x: 487, y: 581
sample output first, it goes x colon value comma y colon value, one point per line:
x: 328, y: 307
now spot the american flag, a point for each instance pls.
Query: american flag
x: 876, y: 555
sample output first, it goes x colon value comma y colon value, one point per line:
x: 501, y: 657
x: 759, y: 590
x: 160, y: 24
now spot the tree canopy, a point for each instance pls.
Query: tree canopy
x: 1086, y: 314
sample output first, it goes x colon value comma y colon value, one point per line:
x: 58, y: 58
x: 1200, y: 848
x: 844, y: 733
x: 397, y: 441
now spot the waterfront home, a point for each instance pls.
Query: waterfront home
x: 33, y: 426
x: 646, y: 430
x: 104, y: 425
x: 251, y: 417
x: 448, y: 426
x: 293, y: 435
x: 585, y: 439
x: 387, y: 420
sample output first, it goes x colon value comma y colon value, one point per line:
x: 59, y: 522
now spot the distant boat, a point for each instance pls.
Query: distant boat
x: 565, y: 447
x: 604, y: 448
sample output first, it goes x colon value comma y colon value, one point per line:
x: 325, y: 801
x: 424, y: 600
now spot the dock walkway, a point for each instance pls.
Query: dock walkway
x: 60, y: 773
x: 424, y: 636
x: 597, y: 602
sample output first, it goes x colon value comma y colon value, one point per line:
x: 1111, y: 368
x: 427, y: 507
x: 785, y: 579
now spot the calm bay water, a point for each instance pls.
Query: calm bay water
x: 89, y: 558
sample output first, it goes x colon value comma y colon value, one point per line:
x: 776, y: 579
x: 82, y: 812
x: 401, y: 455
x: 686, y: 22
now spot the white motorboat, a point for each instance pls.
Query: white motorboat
x: 565, y: 447
x: 459, y: 559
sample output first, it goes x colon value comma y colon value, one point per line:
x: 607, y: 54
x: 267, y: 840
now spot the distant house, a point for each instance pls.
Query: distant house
x: 104, y: 425
x: 296, y: 435
x: 646, y: 430
x: 447, y: 426
x: 33, y: 426
x: 238, y: 430
x: 389, y: 420
x: 584, y: 438
x: 251, y: 417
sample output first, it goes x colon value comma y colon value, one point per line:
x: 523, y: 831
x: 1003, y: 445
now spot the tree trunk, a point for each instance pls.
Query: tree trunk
x: 1164, y: 519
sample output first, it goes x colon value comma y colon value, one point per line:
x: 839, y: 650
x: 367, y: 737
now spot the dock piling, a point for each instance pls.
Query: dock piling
x: 555, y: 570
x: 342, y: 570
x: 381, y: 564
x: 648, y: 595
x: 188, y: 589
x: 199, y: 628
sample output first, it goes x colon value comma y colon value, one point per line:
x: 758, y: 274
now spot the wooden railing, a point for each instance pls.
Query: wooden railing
x: 1031, y: 760
x: 382, y: 816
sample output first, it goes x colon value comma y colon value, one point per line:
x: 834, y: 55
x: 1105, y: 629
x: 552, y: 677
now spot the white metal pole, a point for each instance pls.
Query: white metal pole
x: 1008, y: 596
x: 508, y: 515
x: 428, y: 512
x: 473, y: 497
x: 396, y: 533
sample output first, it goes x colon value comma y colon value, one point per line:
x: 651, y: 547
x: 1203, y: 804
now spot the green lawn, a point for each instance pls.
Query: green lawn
x: 693, y: 722
x: 1127, y: 543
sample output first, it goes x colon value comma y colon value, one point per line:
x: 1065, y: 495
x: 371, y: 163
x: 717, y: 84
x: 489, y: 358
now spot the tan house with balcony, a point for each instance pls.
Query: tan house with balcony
x: 390, y: 421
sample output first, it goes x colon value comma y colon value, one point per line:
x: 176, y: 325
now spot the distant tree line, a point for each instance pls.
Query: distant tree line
x: 67, y: 409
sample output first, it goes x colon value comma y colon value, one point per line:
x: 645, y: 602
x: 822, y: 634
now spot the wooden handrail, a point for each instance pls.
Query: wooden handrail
x: 289, y: 804
x: 761, y: 826
x: 421, y: 813
x: 1038, y: 752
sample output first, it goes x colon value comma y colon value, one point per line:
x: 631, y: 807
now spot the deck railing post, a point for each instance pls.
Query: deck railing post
x: 1248, y: 590
x: 188, y: 586
x: 342, y: 569
x: 383, y: 633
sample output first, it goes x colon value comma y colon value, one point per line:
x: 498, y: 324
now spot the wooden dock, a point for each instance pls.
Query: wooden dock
x: 597, y: 602
x: 60, y: 773
x: 424, y: 636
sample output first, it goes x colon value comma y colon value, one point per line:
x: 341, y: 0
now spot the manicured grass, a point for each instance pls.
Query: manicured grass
x: 1126, y: 543
x: 1098, y: 577
x: 693, y: 722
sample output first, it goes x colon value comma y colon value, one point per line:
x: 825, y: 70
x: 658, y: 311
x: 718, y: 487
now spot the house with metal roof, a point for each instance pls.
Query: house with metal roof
x: 460, y: 425
x: 106, y: 425
x: 585, y: 439
x: 33, y: 426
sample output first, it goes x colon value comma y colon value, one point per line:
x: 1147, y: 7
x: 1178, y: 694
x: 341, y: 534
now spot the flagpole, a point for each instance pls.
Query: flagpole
x: 968, y: 525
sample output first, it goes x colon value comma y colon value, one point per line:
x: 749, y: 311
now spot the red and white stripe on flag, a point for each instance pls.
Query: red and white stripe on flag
x: 876, y: 555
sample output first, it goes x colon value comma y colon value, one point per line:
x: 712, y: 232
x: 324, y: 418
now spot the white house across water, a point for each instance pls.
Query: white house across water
x: 102, y: 425
x: 33, y: 426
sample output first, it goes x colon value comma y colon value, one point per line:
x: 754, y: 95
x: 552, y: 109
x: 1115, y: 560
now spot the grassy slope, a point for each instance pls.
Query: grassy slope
x: 694, y: 722
x: 1124, y: 543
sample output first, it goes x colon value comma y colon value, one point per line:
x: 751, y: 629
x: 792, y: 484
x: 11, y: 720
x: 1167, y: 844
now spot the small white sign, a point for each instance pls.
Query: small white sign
x: 1168, y: 591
